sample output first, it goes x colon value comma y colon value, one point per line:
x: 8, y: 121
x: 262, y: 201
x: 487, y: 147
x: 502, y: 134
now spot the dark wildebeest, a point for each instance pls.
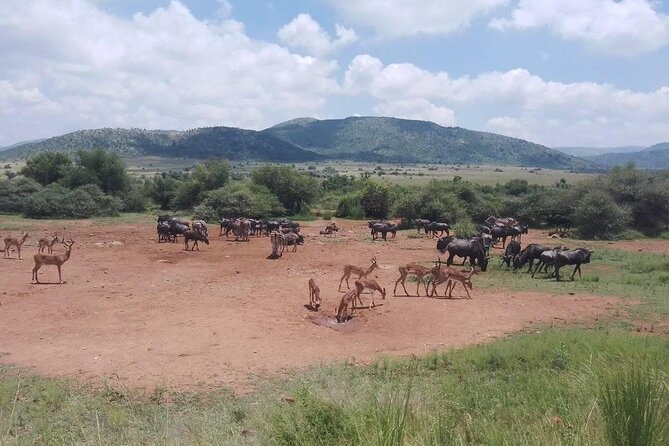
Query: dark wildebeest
x: 442, y: 243
x: 435, y: 227
x: 227, y: 224
x: 384, y: 229
x: 420, y: 223
x: 467, y: 248
x: 164, y: 233
x: 520, y: 230
x: 502, y: 232
x: 546, y: 260
x: 177, y: 228
x: 574, y: 257
x: 271, y: 226
x: 529, y: 254
x: 511, y: 252
x: 195, y: 236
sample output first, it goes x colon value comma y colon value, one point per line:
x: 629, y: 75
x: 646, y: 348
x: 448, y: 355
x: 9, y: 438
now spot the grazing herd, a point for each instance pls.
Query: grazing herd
x: 285, y: 233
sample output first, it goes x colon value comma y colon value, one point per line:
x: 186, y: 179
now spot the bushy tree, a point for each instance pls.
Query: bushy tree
x: 349, y: 206
x: 47, y: 167
x: 162, y: 189
x: 212, y: 174
x: 294, y: 190
x: 375, y: 199
x: 240, y: 200
x: 598, y: 216
x: 103, y: 169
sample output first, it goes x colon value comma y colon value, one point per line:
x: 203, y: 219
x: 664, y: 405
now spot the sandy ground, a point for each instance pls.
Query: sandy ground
x: 148, y: 314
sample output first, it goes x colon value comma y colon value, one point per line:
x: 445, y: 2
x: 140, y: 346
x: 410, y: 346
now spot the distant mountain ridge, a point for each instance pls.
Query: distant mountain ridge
x: 594, y: 151
x: 224, y: 142
x: 380, y: 139
x: 370, y: 139
x: 653, y: 157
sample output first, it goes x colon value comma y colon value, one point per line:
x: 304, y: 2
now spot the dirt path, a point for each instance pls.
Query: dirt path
x: 152, y: 314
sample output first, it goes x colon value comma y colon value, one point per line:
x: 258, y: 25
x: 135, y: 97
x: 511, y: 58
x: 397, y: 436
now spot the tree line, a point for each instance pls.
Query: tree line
x: 96, y: 183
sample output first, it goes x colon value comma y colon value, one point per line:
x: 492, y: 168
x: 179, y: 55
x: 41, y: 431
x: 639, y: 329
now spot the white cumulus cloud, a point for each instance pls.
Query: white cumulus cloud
x: 625, y: 27
x: 68, y: 65
x: 400, y: 18
x: 516, y: 103
x: 304, y: 33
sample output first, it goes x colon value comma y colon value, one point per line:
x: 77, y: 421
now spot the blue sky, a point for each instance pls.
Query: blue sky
x: 556, y: 72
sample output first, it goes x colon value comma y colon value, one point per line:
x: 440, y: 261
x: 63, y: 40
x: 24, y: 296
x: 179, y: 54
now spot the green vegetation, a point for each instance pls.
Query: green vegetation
x: 639, y: 276
x: 555, y: 387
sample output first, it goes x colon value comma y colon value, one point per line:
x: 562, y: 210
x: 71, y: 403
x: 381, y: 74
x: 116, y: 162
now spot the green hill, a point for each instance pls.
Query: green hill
x: 224, y: 142
x: 653, y: 157
x: 400, y: 140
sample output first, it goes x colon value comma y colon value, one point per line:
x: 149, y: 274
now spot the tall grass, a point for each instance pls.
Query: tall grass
x: 634, y: 403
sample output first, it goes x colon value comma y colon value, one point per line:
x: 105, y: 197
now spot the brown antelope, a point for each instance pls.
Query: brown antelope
x: 46, y: 242
x: 361, y: 272
x: 314, y: 295
x: 52, y: 259
x: 372, y: 285
x: 415, y: 269
x: 451, y: 276
x: 346, y: 306
x: 13, y: 241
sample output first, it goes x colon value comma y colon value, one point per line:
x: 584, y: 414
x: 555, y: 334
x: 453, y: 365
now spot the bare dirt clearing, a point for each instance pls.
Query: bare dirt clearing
x: 147, y: 314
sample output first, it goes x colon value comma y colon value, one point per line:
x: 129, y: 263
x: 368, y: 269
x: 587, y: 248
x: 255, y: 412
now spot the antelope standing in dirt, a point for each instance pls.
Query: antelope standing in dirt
x: 346, y: 306
x: 451, y: 276
x: 52, y: 259
x: 361, y: 272
x: 47, y: 243
x: 314, y: 295
x: 414, y: 269
x: 13, y: 241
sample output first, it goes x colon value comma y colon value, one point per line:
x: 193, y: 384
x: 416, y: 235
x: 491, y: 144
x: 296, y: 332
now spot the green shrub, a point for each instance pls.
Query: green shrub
x: 350, y: 207
x: 56, y: 201
x: 598, y: 216
x: 14, y: 192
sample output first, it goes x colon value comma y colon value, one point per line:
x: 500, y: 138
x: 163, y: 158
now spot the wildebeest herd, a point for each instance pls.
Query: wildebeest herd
x: 475, y: 249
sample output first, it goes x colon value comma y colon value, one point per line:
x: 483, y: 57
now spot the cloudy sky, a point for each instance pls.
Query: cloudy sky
x: 556, y: 72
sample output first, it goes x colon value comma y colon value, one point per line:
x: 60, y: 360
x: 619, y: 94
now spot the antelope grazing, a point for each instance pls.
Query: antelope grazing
x: 414, y: 269
x: 314, y: 295
x: 361, y: 272
x: 13, y: 241
x: 52, y: 259
x: 373, y: 285
x: 46, y: 242
x: 451, y: 276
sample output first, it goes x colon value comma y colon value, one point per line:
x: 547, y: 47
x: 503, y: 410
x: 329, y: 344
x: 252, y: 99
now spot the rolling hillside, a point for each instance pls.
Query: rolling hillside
x: 400, y: 140
x: 224, y: 142
x: 653, y: 157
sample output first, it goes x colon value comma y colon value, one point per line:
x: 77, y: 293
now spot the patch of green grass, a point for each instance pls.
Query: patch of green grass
x: 539, y: 388
x: 641, y: 276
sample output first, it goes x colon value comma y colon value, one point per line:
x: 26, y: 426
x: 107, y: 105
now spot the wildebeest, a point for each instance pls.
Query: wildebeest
x: 164, y: 233
x: 511, y: 252
x: 420, y: 223
x: 384, y: 229
x: 241, y: 228
x: 529, y: 254
x: 502, y: 232
x: 546, y: 260
x: 227, y: 225
x: 573, y: 257
x: 435, y: 227
x: 195, y: 236
x: 467, y: 248
x: 442, y: 243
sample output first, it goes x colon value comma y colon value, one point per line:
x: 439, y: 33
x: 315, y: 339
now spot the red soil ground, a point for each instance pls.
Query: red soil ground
x: 148, y: 314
